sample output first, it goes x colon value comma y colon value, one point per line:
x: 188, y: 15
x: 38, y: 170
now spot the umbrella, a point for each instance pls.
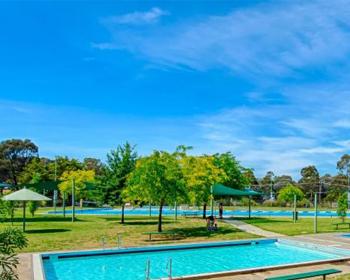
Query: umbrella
x: 25, y: 195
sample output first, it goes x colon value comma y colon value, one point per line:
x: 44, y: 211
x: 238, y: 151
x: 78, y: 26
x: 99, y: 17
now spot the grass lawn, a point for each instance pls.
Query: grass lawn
x: 302, y: 226
x: 50, y: 233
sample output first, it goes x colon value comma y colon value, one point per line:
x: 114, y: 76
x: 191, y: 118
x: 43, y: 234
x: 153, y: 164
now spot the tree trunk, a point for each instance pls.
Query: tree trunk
x: 204, y: 211
x: 123, y: 207
x: 160, y: 217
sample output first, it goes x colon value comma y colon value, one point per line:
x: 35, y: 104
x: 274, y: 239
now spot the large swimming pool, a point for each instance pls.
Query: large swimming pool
x: 194, y: 259
x: 170, y: 211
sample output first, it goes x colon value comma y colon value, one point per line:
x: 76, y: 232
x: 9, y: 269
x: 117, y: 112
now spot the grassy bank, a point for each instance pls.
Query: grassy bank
x: 50, y: 233
x: 302, y: 226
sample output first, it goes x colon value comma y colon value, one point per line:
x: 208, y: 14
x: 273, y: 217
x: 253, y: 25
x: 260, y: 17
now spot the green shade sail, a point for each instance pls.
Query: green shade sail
x: 25, y: 195
x: 219, y: 189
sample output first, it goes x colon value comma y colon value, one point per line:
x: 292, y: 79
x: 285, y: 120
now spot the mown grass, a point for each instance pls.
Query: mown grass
x: 302, y: 226
x: 55, y: 233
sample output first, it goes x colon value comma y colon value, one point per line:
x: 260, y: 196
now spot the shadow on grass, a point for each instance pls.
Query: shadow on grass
x: 44, y: 219
x: 202, y: 232
x: 48, y: 230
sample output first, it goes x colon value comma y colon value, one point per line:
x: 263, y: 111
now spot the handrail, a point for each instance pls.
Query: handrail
x: 169, y: 267
x: 148, y: 270
x: 119, y: 241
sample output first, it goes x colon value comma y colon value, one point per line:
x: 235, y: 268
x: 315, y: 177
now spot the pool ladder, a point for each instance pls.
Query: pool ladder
x: 169, y: 267
x: 148, y: 270
x: 119, y: 241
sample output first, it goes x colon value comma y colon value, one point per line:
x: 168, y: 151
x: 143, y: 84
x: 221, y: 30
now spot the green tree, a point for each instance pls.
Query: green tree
x: 310, y: 181
x: 37, y: 169
x: 63, y: 164
x: 287, y: 193
x: 342, y: 206
x: 201, y: 173
x: 234, y: 171
x: 120, y: 163
x: 157, y: 178
x: 93, y: 164
x: 250, y: 177
x: 343, y: 166
x: 337, y: 186
x: 81, y: 180
x: 267, y: 184
x: 11, y: 239
x: 15, y: 154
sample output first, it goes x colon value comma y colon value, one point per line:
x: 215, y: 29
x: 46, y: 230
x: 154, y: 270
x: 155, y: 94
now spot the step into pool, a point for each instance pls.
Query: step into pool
x: 182, y: 260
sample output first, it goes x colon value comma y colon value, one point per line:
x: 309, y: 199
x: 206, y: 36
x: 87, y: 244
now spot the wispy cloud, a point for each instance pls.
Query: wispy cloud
x: 273, y: 40
x: 136, y: 18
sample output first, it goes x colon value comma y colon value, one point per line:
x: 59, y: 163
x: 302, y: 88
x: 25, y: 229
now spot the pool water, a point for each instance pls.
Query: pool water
x: 169, y: 211
x: 185, y: 261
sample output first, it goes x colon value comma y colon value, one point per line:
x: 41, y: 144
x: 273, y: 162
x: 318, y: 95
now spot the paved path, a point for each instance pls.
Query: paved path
x: 252, y: 229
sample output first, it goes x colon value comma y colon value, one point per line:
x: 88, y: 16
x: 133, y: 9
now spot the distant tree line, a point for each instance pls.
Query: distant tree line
x: 162, y: 178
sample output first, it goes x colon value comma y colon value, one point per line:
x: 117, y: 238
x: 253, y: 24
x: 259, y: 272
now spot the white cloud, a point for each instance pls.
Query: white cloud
x: 273, y: 40
x: 136, y: 18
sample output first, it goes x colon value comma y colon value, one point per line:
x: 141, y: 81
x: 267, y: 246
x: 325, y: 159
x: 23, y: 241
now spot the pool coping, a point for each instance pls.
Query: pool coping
x: 39, y: 272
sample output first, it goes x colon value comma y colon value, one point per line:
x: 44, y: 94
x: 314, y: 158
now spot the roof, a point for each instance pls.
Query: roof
x: 25, y: 195
x: 219, y: 189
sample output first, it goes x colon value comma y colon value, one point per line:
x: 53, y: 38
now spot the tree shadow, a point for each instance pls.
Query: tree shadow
x: 144, y: 223
x: 202, y: 232
x: 44, y: 219
x: 48, y: 230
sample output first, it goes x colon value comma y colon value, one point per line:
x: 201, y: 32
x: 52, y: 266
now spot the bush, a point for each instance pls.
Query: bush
x: 245, y: 202
x: 273, y: 203
x: 33, y: 206
x: 342, y: 206
x: 287, y: 194
x: 304, y: 203
x: 11, y: 239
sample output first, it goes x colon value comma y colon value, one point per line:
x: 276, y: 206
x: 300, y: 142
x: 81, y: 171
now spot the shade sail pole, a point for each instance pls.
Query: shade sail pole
x: 212, y: 201
x: 24, y: 216
x: 250, y: 206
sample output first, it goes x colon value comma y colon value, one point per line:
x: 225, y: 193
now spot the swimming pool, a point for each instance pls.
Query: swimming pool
x: 186, y: 260
x: 169, y: 211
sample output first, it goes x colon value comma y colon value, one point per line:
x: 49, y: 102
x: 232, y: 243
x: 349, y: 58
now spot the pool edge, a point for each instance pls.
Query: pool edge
x: 39, y: 272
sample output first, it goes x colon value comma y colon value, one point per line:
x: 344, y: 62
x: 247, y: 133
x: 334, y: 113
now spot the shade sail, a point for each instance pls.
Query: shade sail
x: 219, y: 189
x: 4, y: 185
x: 25, y: 195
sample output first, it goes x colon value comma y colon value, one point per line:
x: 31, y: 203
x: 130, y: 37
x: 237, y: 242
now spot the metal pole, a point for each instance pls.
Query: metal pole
x: 250, y: 207
x: 175, y: 210
x: 212, y: 201
x: 73, y: 200
x: 24, y: 216
x: 64, y: 204
x: 295, y: 209
x: 150, y: 209
x: 55, y: 200
x: 315, y: 221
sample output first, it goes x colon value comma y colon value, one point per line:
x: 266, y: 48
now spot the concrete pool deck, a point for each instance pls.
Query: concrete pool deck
x: 334, y: 240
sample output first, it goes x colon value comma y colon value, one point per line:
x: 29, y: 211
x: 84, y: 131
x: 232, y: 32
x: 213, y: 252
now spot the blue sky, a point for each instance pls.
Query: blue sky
x: 268, y: 81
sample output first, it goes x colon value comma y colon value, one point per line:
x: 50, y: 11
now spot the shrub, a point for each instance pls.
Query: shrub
x: 33, y: 206
x: 287, y: 194
x: 342, y: 206
x: 11, y: 239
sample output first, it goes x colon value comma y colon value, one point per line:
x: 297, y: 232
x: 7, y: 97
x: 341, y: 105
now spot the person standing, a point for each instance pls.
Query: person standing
x: 221, y: 210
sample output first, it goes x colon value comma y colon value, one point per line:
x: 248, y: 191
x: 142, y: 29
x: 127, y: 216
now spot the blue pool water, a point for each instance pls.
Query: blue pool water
x: 169, y: 211
x: 187, y: 260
